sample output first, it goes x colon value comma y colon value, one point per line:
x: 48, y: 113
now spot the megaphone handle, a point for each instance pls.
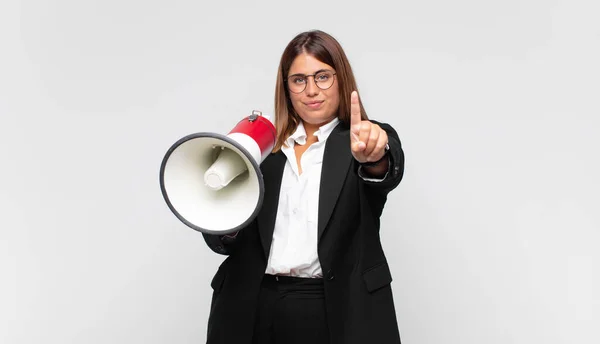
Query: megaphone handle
x: 254, y: 115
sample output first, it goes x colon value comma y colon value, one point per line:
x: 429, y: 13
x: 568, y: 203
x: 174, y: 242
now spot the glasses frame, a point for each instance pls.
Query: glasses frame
x: 287, y: 80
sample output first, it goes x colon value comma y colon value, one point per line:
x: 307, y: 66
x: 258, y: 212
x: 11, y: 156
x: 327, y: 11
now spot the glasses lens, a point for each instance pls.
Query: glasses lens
x: 324, y: 80
x: 297, y: 83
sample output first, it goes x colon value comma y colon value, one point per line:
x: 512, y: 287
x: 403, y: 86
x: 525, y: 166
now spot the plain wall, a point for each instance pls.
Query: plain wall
x: 493, y: 236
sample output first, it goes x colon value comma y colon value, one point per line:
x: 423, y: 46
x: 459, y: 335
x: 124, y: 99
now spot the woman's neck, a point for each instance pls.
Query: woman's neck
x: 310, y: 132
x: 311, y: 129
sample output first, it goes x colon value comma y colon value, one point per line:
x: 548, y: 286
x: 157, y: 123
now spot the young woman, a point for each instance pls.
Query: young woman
x: 311, y: 268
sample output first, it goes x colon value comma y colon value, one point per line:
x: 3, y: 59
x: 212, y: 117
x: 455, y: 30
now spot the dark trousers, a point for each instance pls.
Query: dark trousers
x: 291, y: 310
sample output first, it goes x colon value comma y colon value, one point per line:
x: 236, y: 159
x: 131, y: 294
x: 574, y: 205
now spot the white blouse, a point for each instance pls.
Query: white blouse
x: 294, y: 246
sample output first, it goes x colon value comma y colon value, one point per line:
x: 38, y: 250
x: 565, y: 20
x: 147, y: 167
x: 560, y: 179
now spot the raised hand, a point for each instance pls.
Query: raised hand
x: 367, y: 140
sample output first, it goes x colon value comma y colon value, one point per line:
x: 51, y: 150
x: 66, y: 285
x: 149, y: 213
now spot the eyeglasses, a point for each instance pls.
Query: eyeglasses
x: 323, y: 79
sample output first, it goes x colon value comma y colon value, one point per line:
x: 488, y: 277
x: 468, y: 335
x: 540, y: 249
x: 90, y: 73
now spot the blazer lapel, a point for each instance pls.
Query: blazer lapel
x: 272, y: 169
x: 336, y: 160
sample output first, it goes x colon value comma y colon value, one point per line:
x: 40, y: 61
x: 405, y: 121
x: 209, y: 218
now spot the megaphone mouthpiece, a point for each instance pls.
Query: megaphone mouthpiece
x: 227, y: 167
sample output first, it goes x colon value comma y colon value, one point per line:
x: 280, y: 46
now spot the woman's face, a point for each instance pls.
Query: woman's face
x: 314, y: 105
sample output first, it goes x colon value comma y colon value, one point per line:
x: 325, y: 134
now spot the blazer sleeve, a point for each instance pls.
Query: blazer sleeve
x: 214, y: 243
x: 396, y: 168
x: 227, y: 245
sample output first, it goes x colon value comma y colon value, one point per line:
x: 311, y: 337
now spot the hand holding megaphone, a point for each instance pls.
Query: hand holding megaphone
x: 213, y: 182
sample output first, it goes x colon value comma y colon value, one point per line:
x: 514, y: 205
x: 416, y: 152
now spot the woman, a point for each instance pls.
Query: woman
x: 311, y: 268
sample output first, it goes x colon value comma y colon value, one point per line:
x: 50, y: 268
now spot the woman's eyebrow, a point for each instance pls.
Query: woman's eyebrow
x: 317, y: 72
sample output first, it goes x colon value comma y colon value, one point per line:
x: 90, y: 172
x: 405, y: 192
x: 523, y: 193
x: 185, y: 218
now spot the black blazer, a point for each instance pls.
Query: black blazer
x: 358, y: 294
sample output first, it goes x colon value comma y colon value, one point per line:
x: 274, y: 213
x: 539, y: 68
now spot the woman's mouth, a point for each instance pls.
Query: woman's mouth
x: 314, y: 105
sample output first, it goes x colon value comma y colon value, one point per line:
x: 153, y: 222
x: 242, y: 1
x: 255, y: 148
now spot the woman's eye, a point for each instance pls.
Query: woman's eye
x: 298, y: 80
x: 322, y: 77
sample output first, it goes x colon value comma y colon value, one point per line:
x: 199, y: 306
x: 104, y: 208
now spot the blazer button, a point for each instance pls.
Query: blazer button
x: 329, y: 275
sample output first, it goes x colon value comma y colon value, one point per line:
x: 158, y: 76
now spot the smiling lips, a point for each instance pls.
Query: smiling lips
x: 314, y: 104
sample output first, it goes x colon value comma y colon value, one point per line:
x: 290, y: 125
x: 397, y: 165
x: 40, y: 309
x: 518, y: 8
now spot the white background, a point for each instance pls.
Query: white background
x: 493, y: 236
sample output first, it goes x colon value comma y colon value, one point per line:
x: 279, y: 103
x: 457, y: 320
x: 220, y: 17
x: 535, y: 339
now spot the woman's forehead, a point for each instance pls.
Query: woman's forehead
x: 307, y: 64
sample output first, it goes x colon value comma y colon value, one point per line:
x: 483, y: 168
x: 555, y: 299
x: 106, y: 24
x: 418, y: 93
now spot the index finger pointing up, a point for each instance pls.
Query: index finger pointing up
x: 355, y: 117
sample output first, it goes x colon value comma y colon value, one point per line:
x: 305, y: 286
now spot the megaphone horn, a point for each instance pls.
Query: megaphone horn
x: 212, y: 182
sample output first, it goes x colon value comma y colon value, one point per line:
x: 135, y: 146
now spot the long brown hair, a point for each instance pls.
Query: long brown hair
x: 326, y: 49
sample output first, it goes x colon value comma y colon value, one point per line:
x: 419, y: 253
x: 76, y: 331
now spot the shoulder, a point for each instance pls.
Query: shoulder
x: 273, y: 161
